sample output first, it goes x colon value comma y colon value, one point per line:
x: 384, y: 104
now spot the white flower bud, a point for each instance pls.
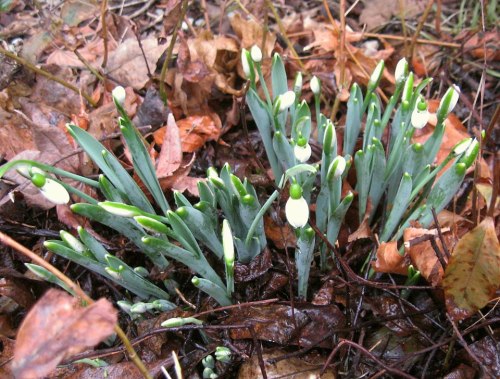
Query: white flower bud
x: 448, y: 102
x: 376, y: 75
x: 315, y: 85
x: 297, y: 86
x: 227, y: 243
x: 120, y: 209
x: 401, y: 69
x: 54, y: 192
x: 256, y: 54
x: 119, y: 94
x: 297, y: 212
x: 244, y: 62
x: 302, y: 153
x: 339, y: 164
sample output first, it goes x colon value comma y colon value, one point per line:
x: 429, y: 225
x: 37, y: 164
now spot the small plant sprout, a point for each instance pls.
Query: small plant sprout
x: 120, y: 209
x: 176, y: 322
x: 119, y: 95
x: 296, y: 208
x: 222, y: 354
x: 256, y: 54
x: 302, y: 150
x: 420, y: 115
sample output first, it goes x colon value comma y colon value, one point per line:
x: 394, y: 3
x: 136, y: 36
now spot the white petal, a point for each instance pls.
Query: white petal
x: 55, y: 192
x: 256, y: 54
x: 419, y: 118
x: 297, y: 212
x: 302, y: 153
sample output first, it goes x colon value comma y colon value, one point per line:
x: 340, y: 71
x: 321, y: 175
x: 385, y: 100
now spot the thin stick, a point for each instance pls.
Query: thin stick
x: 104, y: 12
x: 170, y: 49
x: 6, y: 240
x: 420, y: 26
x: 48, y: 75
x: 283, y: 34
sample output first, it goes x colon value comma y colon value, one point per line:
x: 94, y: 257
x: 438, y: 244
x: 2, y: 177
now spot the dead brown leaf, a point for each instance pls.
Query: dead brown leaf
x: 378, y: 12
x: 389, y: 260
x: 58, y: 327
x: 281, y: 235
x: 127, y: 65
x: 423, y: 255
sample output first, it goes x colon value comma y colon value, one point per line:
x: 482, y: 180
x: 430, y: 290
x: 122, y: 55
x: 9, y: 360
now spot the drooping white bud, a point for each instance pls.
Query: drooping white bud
x: 119, y: 94
x: 315, y: 85
x: 256, y: 54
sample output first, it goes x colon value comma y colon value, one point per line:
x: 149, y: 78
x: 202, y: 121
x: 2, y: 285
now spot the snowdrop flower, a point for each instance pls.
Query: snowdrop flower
x: 376, y: 75
x: 448, y: 102
x: 401, y: 70
x: 74, y: 243
x: 420, y: 115
x: 337, y: 167
x: 302, y: 150
x: 284, y: 101
x: 256, y: 54
x: 52, y: 190
x: 462, y: 146
x: 315, y: 85
x: 244, y: 62
x: 297, y: 85
x: 119, y: 94
x: 227, y: 243
x: 296, y: 208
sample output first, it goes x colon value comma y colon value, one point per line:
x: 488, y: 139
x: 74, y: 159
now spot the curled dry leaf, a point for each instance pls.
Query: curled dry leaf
x: 389, y: 260
x: 58, y: 327
x: 473, y: 274
x: 423, y: 255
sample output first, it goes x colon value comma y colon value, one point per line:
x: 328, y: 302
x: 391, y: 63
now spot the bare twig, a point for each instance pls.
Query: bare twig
x: 420, y: 25
x: 170, y: 49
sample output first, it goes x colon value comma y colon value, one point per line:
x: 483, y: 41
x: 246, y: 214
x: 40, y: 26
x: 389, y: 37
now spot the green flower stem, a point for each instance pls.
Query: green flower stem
x: 259, y: 215
x: 434, y: 172
x: 390, y: 106
x: 57, y: 171
x: 264, y: 88
x: 213, y: 290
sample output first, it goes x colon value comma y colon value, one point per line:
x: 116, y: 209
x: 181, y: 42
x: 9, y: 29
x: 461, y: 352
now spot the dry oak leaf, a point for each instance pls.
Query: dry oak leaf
x: 473, y: 273
x: 56, y: 328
